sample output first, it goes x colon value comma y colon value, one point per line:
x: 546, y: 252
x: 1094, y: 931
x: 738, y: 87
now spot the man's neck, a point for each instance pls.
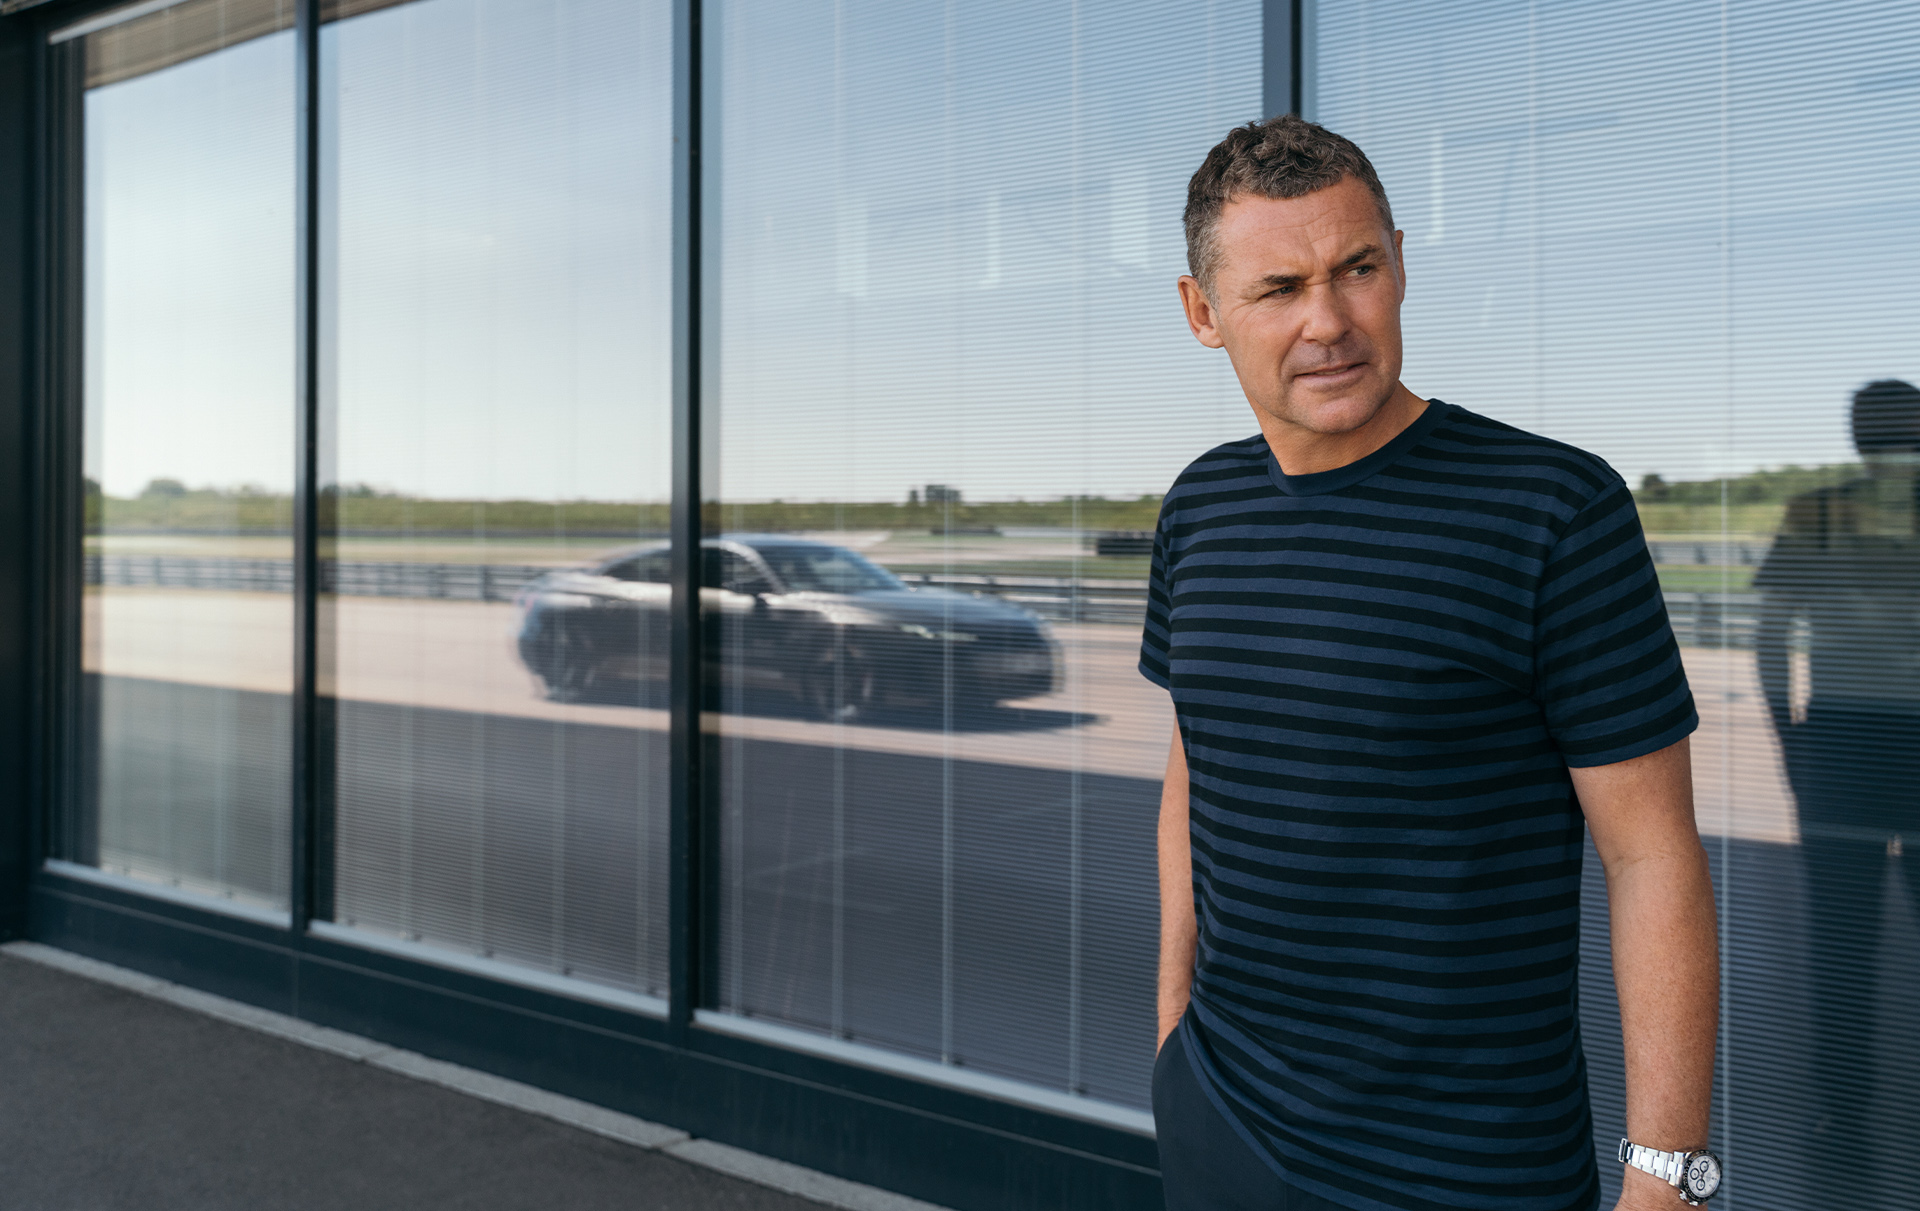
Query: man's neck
x: 1302, y: 451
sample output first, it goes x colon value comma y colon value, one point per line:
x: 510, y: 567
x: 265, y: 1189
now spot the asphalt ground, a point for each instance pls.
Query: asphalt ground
x: 111, y: 1100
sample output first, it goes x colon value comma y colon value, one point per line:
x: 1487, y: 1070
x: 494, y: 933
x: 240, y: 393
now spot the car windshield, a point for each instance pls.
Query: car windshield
x: 822, y: 569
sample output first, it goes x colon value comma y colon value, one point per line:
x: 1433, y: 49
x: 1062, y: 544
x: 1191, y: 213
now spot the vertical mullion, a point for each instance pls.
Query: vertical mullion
x: 1283, y: 73
x: 307, y: 754
x: 54, y: 542
x: 687, y: 925
x: 63, y: 783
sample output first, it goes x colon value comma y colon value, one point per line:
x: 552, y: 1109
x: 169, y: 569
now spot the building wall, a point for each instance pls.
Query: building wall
x: 395, y: 356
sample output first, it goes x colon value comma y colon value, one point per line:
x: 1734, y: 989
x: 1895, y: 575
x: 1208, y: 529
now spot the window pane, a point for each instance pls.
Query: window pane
x: 1683, y: 237
x: 953, y: 382
x: 187, y: 646
x: 497, y: 274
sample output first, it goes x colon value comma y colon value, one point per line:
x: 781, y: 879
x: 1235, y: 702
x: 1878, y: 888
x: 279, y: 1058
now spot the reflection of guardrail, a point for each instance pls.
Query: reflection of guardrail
x: 449, y: 581
x: 1707, y: 620
x: 1672, y: 553
x: 444, y: 581
x: 1054, y: 597
x: 1714, y: 620
x: 181, y: 572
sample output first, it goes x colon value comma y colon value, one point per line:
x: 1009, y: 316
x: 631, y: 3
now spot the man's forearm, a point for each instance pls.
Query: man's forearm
x: 1179, y: 934
x: 1666, y: 955
x: 1667, y: 968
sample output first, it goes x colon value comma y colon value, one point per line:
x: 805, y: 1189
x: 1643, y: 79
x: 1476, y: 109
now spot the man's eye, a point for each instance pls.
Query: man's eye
x: 1362, y: 270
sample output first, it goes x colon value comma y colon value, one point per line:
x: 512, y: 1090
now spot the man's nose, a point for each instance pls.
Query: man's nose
x: 1326, y: 320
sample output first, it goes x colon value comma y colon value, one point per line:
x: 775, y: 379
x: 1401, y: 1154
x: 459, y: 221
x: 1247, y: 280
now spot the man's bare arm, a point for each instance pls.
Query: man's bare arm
x: 1666, y: 959
x: 1772, y: 656
x: 1179, y: 934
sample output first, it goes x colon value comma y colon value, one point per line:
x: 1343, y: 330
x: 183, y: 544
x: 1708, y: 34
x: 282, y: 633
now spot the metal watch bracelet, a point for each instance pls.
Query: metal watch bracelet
x: 1671, y: 1168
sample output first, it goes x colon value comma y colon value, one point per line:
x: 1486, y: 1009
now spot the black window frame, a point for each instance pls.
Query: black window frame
x: 940, y: 1141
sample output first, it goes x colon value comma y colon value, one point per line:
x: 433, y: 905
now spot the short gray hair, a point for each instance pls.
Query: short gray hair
x: 1283, y: 157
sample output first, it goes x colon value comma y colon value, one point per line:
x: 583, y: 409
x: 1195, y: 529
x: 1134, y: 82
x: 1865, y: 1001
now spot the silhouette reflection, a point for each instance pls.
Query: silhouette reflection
x: 1839, y: 657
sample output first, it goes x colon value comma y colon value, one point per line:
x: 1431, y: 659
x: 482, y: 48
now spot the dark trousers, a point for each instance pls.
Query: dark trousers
x: 1856, y: 775
x: 1204, y: 1164
x: 1847, y: 882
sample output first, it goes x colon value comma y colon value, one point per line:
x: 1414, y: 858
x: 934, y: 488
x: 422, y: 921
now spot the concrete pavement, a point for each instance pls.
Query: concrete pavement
x: 116, y: 1100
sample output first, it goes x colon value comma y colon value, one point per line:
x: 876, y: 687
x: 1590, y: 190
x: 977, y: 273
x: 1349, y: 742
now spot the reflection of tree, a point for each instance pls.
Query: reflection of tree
x: 91, y: 505
x: 167, y: 504
x: 358, y: 508
x: 1755, y: 487
x: 1754, y: 501
x: 923, y: 511
x: 363, y: 509
x: 1686, y: 506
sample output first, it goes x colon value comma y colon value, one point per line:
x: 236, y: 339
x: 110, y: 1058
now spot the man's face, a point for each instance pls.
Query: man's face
x: 1306, y: 302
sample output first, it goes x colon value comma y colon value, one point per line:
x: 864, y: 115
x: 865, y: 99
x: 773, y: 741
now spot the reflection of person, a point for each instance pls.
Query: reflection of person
x: 1401, y: 639
x: 1846, y: 567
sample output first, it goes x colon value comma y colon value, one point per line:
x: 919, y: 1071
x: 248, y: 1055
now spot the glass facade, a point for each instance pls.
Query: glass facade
x: 495, y: 300
x: 952, y: 382
x: 186, y: 660
x: 925, y: 287
x: 1682, y: 237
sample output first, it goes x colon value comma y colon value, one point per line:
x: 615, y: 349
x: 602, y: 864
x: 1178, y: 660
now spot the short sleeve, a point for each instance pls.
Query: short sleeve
x: 1156, y: 635
x: 1607, y: 668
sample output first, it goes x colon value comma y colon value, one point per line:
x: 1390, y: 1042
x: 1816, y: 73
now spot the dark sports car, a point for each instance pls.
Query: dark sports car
x: 840, y: 634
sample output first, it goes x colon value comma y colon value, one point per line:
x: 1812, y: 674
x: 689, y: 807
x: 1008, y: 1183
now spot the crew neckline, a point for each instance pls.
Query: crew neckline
x: 1344, y: 477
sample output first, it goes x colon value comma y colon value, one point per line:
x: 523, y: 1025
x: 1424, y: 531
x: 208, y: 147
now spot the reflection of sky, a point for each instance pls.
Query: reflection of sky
x: 947, y: 237
x: 950, y: 236
x: 503, y: 219
x: 1595, y: 254
x: 189, y: 272
x: 505, y: 226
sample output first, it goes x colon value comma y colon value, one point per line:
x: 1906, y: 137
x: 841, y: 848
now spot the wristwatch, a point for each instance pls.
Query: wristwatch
x: 1695, y: 1174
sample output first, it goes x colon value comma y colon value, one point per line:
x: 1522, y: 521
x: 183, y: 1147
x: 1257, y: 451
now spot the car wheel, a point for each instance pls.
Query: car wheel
x: 572, y: 673
x: 840, y: 684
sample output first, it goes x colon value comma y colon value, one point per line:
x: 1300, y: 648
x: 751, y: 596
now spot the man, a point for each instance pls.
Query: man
x: 1847, y: 565
x: 1408, y: 647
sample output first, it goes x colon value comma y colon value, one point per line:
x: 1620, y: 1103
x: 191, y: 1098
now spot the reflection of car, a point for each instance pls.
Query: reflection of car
x: 817, y: 621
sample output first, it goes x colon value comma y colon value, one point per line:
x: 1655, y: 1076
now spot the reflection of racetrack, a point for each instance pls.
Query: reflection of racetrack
x: 1106, y: 718
x: 459, y: 656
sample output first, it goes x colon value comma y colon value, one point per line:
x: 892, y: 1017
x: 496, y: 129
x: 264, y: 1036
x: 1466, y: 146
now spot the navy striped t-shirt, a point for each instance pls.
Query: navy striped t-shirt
x: 1381, y: 674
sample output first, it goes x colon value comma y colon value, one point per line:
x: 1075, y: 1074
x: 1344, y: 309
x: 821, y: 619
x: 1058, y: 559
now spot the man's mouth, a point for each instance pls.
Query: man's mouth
x: 1331, y: 373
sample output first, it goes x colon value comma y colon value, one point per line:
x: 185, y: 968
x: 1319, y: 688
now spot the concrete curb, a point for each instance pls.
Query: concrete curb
x: 735, y: 1162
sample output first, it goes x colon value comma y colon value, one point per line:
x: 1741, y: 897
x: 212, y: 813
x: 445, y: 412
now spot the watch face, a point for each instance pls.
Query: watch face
x: 1703, y: 1174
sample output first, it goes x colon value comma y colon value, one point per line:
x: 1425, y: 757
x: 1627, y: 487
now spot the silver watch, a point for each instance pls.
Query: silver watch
x: 1695, y: 1174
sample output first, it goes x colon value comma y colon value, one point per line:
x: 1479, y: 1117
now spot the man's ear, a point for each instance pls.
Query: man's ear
x: 1400, y: 259
x: 1201, y: 318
